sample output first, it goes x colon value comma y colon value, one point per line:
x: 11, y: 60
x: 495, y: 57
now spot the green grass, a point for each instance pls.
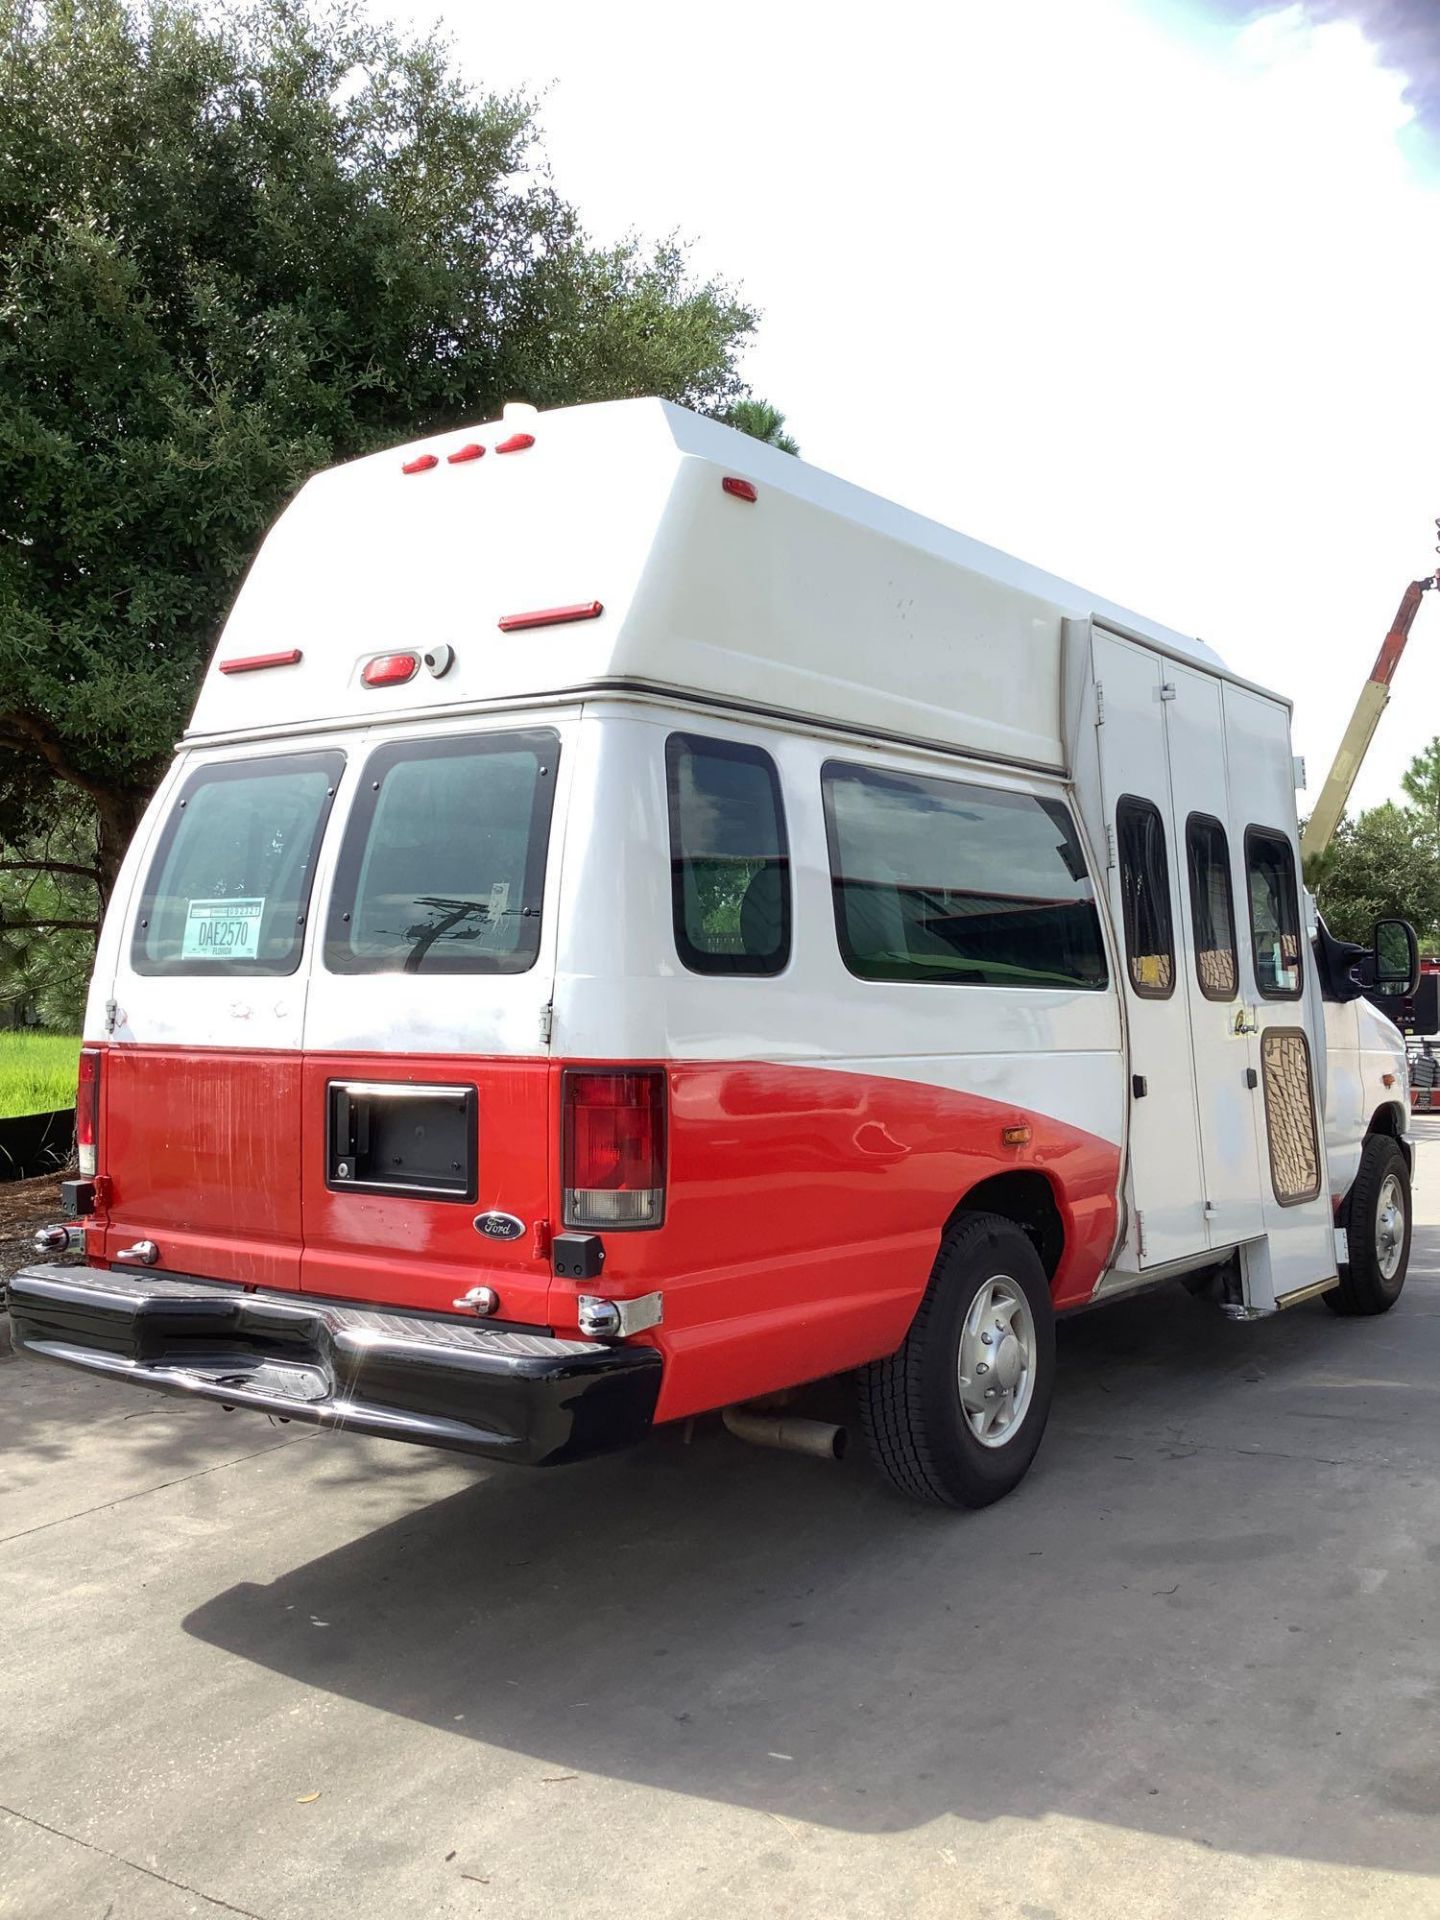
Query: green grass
x: 37, y: 1072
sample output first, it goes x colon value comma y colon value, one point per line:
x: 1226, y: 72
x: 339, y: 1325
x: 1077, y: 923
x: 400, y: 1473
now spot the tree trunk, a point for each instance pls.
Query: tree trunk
x: 118, y: 815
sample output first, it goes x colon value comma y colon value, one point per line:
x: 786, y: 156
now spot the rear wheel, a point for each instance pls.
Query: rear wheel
x: 1377, y: 1232
x: 956, y: 1415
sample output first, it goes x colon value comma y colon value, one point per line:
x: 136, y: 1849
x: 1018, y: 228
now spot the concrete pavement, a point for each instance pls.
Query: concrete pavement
x: 1192, y: 1667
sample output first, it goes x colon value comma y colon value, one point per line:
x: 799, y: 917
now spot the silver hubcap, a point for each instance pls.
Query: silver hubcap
x: 997, y: 1361
x: 1390, y: 1227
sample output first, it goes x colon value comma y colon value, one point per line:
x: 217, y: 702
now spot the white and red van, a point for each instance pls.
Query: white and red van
x: 638, y: 924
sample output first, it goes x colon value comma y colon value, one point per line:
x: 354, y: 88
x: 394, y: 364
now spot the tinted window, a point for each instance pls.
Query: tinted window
x: 729, y: 870
x: 1145, y: 894
x: 1274, y: 913
x: 1212, y: 907
x: 943, y: 882
x: 443, y: 865
x: 229, y: 886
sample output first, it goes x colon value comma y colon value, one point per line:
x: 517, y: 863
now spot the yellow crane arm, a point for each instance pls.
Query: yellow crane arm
x: 1374, y: 697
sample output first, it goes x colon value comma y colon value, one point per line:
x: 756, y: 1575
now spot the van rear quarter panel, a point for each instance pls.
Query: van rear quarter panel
x: 822, y: 1128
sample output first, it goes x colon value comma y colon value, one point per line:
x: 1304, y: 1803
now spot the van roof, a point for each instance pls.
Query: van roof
x: 812, y: 599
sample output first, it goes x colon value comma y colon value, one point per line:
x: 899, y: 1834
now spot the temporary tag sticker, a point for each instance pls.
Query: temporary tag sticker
x: 222, y: 930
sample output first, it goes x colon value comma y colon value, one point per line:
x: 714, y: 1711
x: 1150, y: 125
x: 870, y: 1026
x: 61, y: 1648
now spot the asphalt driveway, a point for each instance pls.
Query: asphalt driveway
x: 1192, y: 1667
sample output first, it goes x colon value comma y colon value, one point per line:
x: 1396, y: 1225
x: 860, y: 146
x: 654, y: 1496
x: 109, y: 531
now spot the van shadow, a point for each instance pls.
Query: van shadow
x: 1149, y: 1634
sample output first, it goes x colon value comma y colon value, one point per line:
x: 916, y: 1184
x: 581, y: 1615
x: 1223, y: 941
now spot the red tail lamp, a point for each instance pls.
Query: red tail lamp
x: 517, y: 443
x: 87, y: 1111
x: 390, y: 669
x: 613, y: 1147
x: 422, y: 463
x: 550, y: 616
x: 254, y: 662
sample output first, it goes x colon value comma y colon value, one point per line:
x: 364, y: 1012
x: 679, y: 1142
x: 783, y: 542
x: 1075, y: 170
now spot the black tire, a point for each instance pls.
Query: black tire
x: 1365, y: 1287
x: 911, y: 1410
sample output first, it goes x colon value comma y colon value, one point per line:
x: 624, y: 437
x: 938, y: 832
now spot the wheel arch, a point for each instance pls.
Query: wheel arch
x: 1391, y: 1118
x: 1025, y: 1197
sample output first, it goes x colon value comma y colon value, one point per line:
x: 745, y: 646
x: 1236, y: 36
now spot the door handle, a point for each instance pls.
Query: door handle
x: 1247, y: 1020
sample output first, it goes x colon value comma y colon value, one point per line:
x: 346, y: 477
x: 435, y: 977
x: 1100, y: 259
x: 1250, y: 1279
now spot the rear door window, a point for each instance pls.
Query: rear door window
x: 1212, y: 907
x: 952, y: 884
x: 1274, y: 913
x: 1145, y: 896
x: 442, y: 869
x: 729, y: 862
x: 229, y: 885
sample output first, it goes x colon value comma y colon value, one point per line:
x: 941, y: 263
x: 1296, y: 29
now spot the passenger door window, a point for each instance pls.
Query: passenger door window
x: 947, y: 883
x: 729, y: 859
x: 1212, y: 907
x: 1274, y: 913
x: 1145, y: 894
x: 442, y: 869
x: 229, y: 886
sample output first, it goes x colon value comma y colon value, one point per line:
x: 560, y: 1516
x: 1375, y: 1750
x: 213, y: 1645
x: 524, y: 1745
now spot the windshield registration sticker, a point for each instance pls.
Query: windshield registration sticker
x: 222, y: 930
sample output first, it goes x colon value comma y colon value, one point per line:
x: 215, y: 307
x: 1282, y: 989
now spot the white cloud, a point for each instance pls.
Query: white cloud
x: 1145, y: 304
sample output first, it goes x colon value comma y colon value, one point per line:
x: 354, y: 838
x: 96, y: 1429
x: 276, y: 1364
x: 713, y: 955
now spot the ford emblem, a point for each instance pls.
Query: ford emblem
x: 499, y: 1226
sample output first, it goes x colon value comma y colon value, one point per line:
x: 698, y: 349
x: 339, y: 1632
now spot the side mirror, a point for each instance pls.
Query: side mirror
x: 1396, y: 958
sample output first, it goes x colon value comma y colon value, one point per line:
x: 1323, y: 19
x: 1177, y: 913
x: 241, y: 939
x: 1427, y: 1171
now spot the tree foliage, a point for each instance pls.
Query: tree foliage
x: 762, y: 422
x: 237, y: 245
x: 1385, y: 862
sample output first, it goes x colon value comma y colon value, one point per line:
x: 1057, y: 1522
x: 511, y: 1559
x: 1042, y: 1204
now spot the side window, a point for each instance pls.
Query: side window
x: 729, y: 860
x: 941, y: 882
x: 1212, y: 907
x: 1274, y: 913
x: 442, y: 868
x: 1145, y: 892
x: 229, y: 886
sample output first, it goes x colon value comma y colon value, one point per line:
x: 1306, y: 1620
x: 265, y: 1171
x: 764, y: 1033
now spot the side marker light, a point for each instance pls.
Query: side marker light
x: 253, y: 662
x: 550, y: 616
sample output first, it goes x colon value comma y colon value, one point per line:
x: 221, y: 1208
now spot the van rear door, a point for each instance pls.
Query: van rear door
x: 426, y: 1079
x: 201, y: 1113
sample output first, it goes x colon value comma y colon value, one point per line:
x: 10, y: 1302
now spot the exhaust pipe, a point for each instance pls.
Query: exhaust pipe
x: 790, y: 1435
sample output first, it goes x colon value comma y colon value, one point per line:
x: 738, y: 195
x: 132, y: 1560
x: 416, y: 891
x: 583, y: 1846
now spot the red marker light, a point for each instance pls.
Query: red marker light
x: 253, y: 662
x: 517, y: 443
x: 472, y: 450
x: 742, y: 489
x: 550, y: 616
x: 422, y: 463
x: 390, y: 669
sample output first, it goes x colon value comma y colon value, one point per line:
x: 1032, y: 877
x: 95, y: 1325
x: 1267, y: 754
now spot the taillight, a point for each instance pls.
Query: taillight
x: 87, y: 1110
x: 614, y: 1147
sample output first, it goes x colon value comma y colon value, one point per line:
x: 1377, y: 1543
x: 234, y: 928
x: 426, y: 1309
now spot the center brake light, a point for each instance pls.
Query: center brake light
x: 87, y: 1111
x: 613, y: 1146
x: 390, y: 669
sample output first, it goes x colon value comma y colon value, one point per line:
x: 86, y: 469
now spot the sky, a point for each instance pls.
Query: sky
x: 1140, y: 290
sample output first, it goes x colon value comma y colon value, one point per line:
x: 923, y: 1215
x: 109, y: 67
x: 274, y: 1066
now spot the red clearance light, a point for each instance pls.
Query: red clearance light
x: 550, y: 616
x: 517, y: 443
x: 87, y: 1111
x: 472, y: 450
x: 613, y: 1147
x: 253, y: 662
x: 391, y: 669
x: 742, y: 489
x: 422, y: 463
